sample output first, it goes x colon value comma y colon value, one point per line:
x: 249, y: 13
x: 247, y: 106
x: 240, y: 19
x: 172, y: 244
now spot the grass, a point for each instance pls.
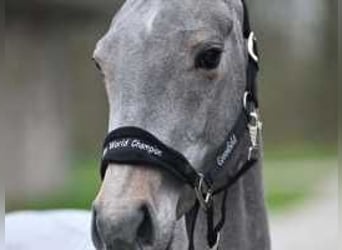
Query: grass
x: 289, y: 179
x: 79, y: 191
x: 291, y: 182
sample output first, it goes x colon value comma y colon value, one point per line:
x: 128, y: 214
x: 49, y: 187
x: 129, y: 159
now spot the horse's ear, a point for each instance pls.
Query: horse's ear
x: 185, y: 202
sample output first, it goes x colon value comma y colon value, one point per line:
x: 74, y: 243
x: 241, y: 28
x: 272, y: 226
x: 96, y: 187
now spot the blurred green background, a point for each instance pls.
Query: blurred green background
x: 56, y: 109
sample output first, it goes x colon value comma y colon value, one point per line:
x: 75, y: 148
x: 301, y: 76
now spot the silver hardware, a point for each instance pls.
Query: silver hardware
x: 245, y: 99
x: 251, y: 49
x: 254, y: 126
x: 250, y: 152
x: 215, y: 247
x: 204, y: 198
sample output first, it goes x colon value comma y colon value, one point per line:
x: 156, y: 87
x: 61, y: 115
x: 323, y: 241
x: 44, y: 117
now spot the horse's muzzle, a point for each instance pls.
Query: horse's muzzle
x: 125, y: 228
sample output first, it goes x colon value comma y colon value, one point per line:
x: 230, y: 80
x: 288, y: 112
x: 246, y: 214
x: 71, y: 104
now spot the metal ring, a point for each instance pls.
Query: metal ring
x: 208, y: 196
x: 203, y: 199
x: 245, y: 99
x: 250, y: 44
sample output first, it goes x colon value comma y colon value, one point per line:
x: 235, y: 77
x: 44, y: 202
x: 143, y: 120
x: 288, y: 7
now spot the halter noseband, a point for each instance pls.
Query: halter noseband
x: 135, y: 146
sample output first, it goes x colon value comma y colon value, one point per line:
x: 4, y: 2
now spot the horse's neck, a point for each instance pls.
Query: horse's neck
x: 246, y: 226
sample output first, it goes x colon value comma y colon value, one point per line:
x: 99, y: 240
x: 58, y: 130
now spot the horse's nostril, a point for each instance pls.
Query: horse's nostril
x: 123, y: 227
x: 145, y: 232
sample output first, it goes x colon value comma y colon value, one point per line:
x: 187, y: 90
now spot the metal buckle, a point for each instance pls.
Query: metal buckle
x: 204, y: 197
x: 251, y: 46
x: 218, y: 238
x: 254, y: 126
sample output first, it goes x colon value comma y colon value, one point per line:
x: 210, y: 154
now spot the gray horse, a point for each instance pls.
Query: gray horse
x: 177, y: 69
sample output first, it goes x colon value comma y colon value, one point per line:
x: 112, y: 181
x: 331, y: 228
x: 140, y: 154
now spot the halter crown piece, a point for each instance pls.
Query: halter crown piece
x: 135, y: 146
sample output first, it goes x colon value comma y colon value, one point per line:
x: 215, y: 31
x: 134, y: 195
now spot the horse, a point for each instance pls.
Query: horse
x: 176, y: 74
x: 180, y: 74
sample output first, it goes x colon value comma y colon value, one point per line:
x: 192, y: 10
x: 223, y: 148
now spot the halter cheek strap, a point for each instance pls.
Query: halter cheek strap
x: 135, y: 146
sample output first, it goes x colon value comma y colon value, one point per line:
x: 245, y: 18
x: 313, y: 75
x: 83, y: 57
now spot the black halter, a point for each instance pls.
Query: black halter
x: 135, y: 146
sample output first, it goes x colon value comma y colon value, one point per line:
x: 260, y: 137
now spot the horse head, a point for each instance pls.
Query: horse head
x: 178, y: 70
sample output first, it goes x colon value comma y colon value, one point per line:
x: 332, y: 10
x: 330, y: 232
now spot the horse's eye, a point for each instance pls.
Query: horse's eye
x: 208, y: 59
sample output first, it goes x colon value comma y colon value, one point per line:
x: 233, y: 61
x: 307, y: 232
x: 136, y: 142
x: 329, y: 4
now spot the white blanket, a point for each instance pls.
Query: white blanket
x: 53, y: 230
